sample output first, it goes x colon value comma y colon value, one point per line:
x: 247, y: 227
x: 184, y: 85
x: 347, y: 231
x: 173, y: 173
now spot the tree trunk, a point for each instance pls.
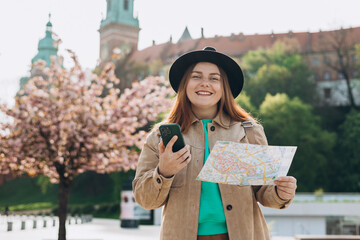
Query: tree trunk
x: 64, y: 192
x: 350, y: 94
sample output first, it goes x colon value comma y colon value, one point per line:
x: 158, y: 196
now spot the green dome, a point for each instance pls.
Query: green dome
x: 46, y: 47
x: 47, y: 43
x: 23, y: 81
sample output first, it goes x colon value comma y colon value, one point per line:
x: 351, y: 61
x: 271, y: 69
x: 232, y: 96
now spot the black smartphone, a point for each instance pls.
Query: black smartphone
x: 167, y: 131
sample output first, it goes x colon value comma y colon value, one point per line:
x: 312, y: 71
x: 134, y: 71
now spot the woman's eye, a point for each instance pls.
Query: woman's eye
x: 215, y: 79
x: 196, y: 77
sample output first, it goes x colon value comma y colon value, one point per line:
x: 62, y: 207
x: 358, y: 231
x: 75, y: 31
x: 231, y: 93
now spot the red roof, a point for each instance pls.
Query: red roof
x: 239, y: 44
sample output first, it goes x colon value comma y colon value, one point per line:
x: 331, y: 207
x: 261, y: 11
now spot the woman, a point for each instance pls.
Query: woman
x: 207, y: 82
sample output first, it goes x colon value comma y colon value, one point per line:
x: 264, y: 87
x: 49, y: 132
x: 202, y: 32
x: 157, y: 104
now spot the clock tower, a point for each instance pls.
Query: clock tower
x: 120, y: 29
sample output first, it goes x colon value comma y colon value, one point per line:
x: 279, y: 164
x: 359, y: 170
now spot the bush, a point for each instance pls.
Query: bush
x: 88, y: 209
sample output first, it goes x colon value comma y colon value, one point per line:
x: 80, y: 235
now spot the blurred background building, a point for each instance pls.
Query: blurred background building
x: 327, y: 53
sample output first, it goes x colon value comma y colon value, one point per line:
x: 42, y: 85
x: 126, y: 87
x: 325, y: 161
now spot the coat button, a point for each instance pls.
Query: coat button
x: 229, y: 207
x: 212, y: 128
x: 158, y: 180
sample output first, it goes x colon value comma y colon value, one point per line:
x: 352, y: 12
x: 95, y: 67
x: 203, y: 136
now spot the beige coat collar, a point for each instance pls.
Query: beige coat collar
x: 222, y: 119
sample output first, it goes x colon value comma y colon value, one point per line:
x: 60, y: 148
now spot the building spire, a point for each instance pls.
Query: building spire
x: 49, y: 27
x: 186, y: 35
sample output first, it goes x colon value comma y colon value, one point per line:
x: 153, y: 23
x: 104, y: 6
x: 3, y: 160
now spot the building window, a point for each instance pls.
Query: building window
x: 341, y: 59
x: 316, y: 77
x: 327, y: 93
x: 315, y: 62
x: 326, y: 76
x: 355, y: 73
x: 353, y: 58
x: 345, y: 225
x: 327, y: 60
x: 126, y: 4
x: 340, y: 76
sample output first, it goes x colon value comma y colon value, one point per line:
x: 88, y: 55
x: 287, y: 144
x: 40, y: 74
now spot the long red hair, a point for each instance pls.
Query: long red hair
x: 180, y: 111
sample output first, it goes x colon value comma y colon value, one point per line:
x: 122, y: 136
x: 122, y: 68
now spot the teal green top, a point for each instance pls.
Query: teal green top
x: 120, y: 11
x: 211, y: 214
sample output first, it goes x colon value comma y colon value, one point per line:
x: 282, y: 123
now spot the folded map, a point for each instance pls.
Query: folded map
x: 246, y: 164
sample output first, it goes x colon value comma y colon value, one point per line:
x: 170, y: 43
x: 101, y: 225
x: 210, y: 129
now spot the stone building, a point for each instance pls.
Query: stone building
x: 321, y: 58
x: 331, y: 71
x: 120, y: 29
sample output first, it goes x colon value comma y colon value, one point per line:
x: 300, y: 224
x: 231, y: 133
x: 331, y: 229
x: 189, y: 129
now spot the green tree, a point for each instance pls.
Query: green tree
x: 345, y: 168
x: 357, y: 54
x: 244, y: 101
x: 292, y: 122
x: 280, y: 69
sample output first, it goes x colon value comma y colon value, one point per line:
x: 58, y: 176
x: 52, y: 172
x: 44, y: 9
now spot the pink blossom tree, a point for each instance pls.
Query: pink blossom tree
x: 62, y: 126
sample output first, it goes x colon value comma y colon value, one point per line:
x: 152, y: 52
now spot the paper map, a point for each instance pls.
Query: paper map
x: 246, y: 164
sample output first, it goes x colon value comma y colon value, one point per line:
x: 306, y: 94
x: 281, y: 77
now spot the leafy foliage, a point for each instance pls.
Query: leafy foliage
x: 280, y: 69
x: 245, y: 102
x: 345, y: 168
x: 291, y: 122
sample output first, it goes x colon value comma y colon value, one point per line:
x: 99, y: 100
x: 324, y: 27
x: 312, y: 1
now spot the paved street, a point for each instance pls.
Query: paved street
x: 98, y: 229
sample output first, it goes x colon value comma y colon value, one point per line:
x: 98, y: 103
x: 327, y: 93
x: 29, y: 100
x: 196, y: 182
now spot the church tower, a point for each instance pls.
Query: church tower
x: 46, y: 46
x: 120, y: 29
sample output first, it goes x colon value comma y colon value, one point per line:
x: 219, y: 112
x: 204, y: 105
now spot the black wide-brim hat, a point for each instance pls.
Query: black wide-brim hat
x: 208, y: 54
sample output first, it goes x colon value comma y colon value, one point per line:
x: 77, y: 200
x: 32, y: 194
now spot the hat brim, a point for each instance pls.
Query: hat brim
x: 232, y: 69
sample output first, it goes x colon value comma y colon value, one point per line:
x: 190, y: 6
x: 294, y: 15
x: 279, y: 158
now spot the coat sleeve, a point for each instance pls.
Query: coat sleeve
x: 151, y: 189
x: 267, y: 194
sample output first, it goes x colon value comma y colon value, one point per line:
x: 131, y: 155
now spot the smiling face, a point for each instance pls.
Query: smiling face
x: 204, y: 89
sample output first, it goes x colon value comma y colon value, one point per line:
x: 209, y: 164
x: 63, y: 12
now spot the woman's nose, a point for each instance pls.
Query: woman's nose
x: 205, y: 81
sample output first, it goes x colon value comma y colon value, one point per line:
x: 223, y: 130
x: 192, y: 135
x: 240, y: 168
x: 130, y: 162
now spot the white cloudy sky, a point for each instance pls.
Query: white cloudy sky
x: 22, y: 25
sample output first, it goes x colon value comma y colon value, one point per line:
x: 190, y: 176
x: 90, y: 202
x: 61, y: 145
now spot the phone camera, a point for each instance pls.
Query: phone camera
x: 165, y: 131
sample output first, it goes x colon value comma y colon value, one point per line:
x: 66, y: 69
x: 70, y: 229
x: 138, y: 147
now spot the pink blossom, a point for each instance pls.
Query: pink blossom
x: 64, y: 121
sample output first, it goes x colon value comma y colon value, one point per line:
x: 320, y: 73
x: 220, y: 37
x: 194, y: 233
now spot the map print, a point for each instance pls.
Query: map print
x: 246, y: 164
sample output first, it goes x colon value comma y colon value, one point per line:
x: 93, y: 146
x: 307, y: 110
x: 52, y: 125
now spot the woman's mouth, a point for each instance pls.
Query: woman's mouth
x: 203, y: 93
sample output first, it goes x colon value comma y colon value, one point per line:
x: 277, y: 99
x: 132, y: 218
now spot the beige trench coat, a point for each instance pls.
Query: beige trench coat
x: 180, y: 195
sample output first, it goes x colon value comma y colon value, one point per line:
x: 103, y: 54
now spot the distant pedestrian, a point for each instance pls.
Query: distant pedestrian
x: 206, y: 82
x: 6, y: 212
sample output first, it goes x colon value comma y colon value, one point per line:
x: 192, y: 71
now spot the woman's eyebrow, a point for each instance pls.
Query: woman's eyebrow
x: 202, y: 73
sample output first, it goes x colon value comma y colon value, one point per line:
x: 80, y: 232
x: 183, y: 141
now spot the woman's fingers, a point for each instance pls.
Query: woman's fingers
x: 171, y: 143
x: 286, y: 181
x: 161, y: 146
x: 186, y: 156
x: 183, y: 153
x: 171, y: 163
x: 186, y: 161
x: 285, y: 184
x: 287, y: 190
x: 284, y: 195
x: 286, y: 187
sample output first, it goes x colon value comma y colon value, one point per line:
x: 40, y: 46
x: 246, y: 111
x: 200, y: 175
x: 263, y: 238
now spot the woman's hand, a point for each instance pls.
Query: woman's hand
x: 171, y: 162
x: 286, y: 187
